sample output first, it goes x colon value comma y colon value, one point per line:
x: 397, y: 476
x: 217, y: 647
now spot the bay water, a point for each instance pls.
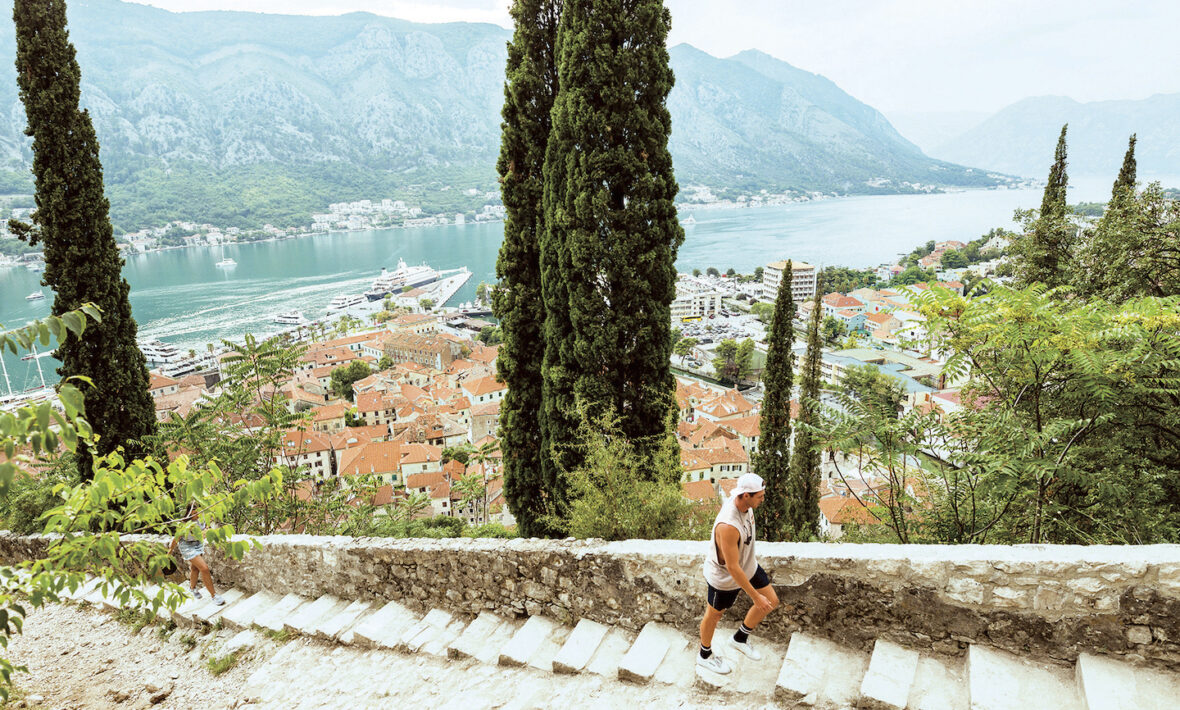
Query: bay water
x: 181, y: 297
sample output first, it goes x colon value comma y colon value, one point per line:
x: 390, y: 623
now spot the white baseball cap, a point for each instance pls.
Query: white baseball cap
x: 748, y: 483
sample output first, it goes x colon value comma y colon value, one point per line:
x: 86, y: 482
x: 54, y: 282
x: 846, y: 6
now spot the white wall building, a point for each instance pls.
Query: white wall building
x: 695, y: 298
x: 803, y: 278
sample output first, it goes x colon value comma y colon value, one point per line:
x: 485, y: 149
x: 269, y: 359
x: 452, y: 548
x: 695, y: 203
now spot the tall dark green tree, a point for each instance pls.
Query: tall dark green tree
x: 611, y: 233
x: 802, y: 505
x: 71, y: 221
x: 529, y: 92
x: 1044, y: 253
x: 1109, y: 260
x: 773, y: 461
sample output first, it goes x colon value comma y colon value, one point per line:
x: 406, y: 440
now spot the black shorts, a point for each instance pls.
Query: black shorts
x: 721, y: 600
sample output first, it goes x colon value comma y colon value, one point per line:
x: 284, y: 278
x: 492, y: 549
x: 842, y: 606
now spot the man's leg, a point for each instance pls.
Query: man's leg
x: 755, y: 615
x: 709, y: 625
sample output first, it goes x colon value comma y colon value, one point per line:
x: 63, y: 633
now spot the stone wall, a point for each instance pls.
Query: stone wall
x: 1041, y: 601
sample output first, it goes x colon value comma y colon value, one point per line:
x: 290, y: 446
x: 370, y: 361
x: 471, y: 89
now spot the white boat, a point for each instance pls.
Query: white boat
x: 290, y: 318
x: 346, y: 301
x: 35, y: 296
x: 226, y: 263
x: 33, y: 266
x: 689, y: 220
x: 403, y: 276
x: 159, y: 353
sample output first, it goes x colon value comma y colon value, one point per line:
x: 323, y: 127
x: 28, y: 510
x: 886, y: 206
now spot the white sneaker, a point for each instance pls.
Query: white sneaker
x: 746, y: 650
x: 714, y: 663
x: 195, y: 592
x: 218, y: 599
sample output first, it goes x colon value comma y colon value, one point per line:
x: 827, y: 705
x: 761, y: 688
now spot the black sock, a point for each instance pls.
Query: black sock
x: 706, y: 651
x: 742, y: 634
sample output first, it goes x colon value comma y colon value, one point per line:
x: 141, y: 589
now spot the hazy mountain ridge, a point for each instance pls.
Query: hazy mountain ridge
x: 270, y: 117
x: 1020, y: 138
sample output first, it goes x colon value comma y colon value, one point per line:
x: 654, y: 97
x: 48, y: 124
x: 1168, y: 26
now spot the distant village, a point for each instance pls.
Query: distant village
x: 441, y: 392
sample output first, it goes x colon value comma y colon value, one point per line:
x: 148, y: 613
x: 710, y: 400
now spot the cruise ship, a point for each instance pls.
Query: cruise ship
x: 403, y: 276
x: 290, y: 318
x: 346, y: 301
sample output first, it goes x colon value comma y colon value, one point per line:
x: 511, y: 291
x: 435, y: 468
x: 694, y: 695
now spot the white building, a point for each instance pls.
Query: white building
x: 695, y: 298
x: 803, y: 278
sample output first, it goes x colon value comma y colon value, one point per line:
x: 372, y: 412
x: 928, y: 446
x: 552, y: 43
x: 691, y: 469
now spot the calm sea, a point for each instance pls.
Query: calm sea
x: 179, y: 296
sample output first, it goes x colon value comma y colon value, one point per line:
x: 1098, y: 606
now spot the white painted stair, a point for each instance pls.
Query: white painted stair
x: 809, y: 672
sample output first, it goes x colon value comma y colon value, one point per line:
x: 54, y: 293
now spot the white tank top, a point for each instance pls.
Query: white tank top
x: 715, y: 573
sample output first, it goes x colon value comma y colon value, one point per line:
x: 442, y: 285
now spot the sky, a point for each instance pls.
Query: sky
x: 895, y: 55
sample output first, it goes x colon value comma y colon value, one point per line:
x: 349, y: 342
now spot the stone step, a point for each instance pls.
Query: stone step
x: 437, y: 644
x: 940, y: 683
x: 890, y: 677
x: 819, y: 672
x: 1107, y: 683
x: 84, y: 589
x: 998, y: 680
x: 183, y: 616
x: 476, y: 637
x: 243, y: 614
x: 304, y: 619
x: 610, y: 652
x: 331, y: 628
x: 640, y: 662
x: 418, y: 634
x: 526, y: 642
x: 272, y: 619
x: 209, y: 613
x: 579, y: 647
x: 679, y: 665
x: 384, y: 627
x: 748, y: 676
x: 542, y: 657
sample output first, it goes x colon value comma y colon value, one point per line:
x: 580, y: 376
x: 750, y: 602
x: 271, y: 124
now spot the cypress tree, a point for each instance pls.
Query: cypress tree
x: 82, y: 262
x: 529, y: 91
x: 1109, y: 260
x: 1046, y: 250
x: 774, y: 446
x: 802, y: 510
x: 611, y: 233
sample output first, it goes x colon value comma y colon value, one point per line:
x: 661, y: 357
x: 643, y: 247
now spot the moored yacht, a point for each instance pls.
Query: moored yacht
x: 158, y: 352
x: 290, y: 318
x: 226, y: 263
x: 345, y: 300
x: 35, y: 296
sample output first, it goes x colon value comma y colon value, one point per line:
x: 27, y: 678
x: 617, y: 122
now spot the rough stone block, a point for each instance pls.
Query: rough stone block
x: 886, y: 685
x: 526, y: 641
x: 641, y: 661
x: 415, y: 637
x: 243, y: 614
x: 272, y: 619
x: 581, y: 644
x: 209, y: 613
x: 606, y: 659
x: 939, y: 684
x: 332, y: 626
x: 384, y: 627
x: 241, y: 642
x: 1109, y: 684
x: 998, y: 680
x: 304, y: 619
x: 476, y: 636
x: 817, y: 668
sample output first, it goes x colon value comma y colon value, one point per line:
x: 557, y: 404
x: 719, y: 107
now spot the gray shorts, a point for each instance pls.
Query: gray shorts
x: 191, y: 548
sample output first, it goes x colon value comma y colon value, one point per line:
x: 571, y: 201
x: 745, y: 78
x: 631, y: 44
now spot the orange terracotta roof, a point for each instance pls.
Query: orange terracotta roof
x: 840, y: 510
x: 698, y: 490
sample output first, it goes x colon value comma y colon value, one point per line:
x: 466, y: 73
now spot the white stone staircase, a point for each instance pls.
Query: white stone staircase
x: 809, y: 672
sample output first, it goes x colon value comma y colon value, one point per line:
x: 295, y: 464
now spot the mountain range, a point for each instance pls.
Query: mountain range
x: 244, y: 118
x: 1020, y: 139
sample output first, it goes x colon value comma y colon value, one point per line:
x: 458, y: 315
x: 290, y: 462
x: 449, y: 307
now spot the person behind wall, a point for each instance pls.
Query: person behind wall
x: 731, y: 568
x: 192, y: 549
